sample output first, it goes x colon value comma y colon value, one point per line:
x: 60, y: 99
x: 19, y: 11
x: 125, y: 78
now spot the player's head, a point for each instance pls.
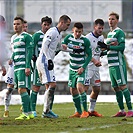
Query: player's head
x: 64, y: 23
x: 113, y: 20
x: 18, y: 24
x: 2, y: 20
x: 77, y: 29
x: 25, y: 26
x: 46, y: 23
x: 98, y: 27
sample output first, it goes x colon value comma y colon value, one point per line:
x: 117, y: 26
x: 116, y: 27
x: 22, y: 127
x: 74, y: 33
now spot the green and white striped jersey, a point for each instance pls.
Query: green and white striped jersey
x: 82, y: 59
x: 115, y: 54
x: 37, y: 42
x: 22, y: 51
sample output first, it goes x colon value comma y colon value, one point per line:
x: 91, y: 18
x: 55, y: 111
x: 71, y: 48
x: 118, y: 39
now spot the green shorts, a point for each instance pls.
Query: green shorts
x: 75, y: 78
x: 36, y: 79
x: 21, y: 80
x: 118, y: 75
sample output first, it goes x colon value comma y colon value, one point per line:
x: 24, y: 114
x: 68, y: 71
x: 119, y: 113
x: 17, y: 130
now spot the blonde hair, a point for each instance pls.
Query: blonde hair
x: 115, y: 14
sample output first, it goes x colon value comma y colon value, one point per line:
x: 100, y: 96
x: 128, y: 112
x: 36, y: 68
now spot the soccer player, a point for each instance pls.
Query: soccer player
x: 45, y: 64
x: 3, y: 53
x: 37, y: 41
x: 78, y: 64
x: 25, y: 26
x: 117, y: 65
x: 9, y: 80
x: 92, y: 71
x: 21, y: 57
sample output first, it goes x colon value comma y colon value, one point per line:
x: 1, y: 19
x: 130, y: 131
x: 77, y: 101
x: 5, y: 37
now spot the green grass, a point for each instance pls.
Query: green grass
x: 63, y: 124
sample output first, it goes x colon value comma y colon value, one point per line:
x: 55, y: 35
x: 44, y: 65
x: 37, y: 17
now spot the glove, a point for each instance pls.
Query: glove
x: 102, y: 54
x: 57, y: 52
x: 34, y: 58
x: 78, y: 51
x: 103, y: 45
x: 50, y: 65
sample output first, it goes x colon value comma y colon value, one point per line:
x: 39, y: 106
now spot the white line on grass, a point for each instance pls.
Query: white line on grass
x: 100, y: 127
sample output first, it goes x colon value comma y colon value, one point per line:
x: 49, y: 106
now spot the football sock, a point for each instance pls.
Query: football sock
x: 51, y: 105
x: 127, y: 96
x: 8, y: 98
x: 33, y: 100
x: 48, y: 97
x: 92, y: 104
x: 84, y: 101
x: 119, y: 98
x: 25, y: 102
x: 77, y: 103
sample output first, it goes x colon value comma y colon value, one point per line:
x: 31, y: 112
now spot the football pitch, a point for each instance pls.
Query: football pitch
x: 63, y: 124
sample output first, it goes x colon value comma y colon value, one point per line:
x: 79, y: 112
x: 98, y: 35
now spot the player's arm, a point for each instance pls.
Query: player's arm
x: 70, y: 47
x: 45, y: 48
x: 88, y: 53
x: 45, y: 45
x: 35, y: 41
x: 29, y: 50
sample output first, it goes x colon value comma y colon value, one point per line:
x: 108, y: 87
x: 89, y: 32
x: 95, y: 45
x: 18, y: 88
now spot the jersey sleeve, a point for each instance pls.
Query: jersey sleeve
x: 35, y: 40
x: 29, y: 50
x: 121, y: 42
x: 88, y: 53
x: 46, y: 42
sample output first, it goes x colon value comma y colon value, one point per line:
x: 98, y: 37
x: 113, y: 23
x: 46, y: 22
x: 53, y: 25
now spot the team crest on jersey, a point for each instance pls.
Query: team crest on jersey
x: 80, y: 44
x: 119, y: 81
x: 97, y: 50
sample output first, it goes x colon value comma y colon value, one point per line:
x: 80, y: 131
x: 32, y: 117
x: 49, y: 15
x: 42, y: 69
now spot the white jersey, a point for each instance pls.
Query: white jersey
x: 50, y: 43
x: 95, y: 50
x: 10, y: 73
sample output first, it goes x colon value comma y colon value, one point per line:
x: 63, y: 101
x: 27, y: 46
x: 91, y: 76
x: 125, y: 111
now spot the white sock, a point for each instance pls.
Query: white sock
x: 92, y: 104
x: 7, y: 101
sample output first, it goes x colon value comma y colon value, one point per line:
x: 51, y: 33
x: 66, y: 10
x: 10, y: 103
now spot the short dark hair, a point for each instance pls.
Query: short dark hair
x: 18, y: 17
x: 2, y: 19
x: 46, y: 19
x: 78, y: 25
x: 115, y: 14
x: 99, y: 21
x: 25, y: 22
x: 65, y: 18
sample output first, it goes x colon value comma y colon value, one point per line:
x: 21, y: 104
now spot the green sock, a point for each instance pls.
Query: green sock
x: 127, y: 96
x: 25, y: 102
x: 119, y: 98
x: 33, y: 100
x: 76, y: 100
x: 84, y: 101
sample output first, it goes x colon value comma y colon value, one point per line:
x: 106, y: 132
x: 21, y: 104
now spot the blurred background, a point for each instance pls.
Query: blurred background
x: 85, y: 11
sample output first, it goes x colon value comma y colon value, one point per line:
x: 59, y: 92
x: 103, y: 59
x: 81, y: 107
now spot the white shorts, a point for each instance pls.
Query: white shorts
x: 92, y: 77
x: 9, y: 79
x: 45, y: 75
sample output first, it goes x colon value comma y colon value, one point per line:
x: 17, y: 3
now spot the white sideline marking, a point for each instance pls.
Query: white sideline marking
x: 100, y: 127
x: 16, y: 99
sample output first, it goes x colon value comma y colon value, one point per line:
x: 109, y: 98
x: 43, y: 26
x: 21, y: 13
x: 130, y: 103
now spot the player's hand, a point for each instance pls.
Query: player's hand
x: 114, y: 43
x: 34, y: 58
x: 3, y: 71
x: 10, y: 62
x: 27, y: 71
x: 64, y: 46
x: 102, y: 45
x: 79, y: 50
x: 97, y: 63
x: 80, y: 70
x: 50, y: 65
